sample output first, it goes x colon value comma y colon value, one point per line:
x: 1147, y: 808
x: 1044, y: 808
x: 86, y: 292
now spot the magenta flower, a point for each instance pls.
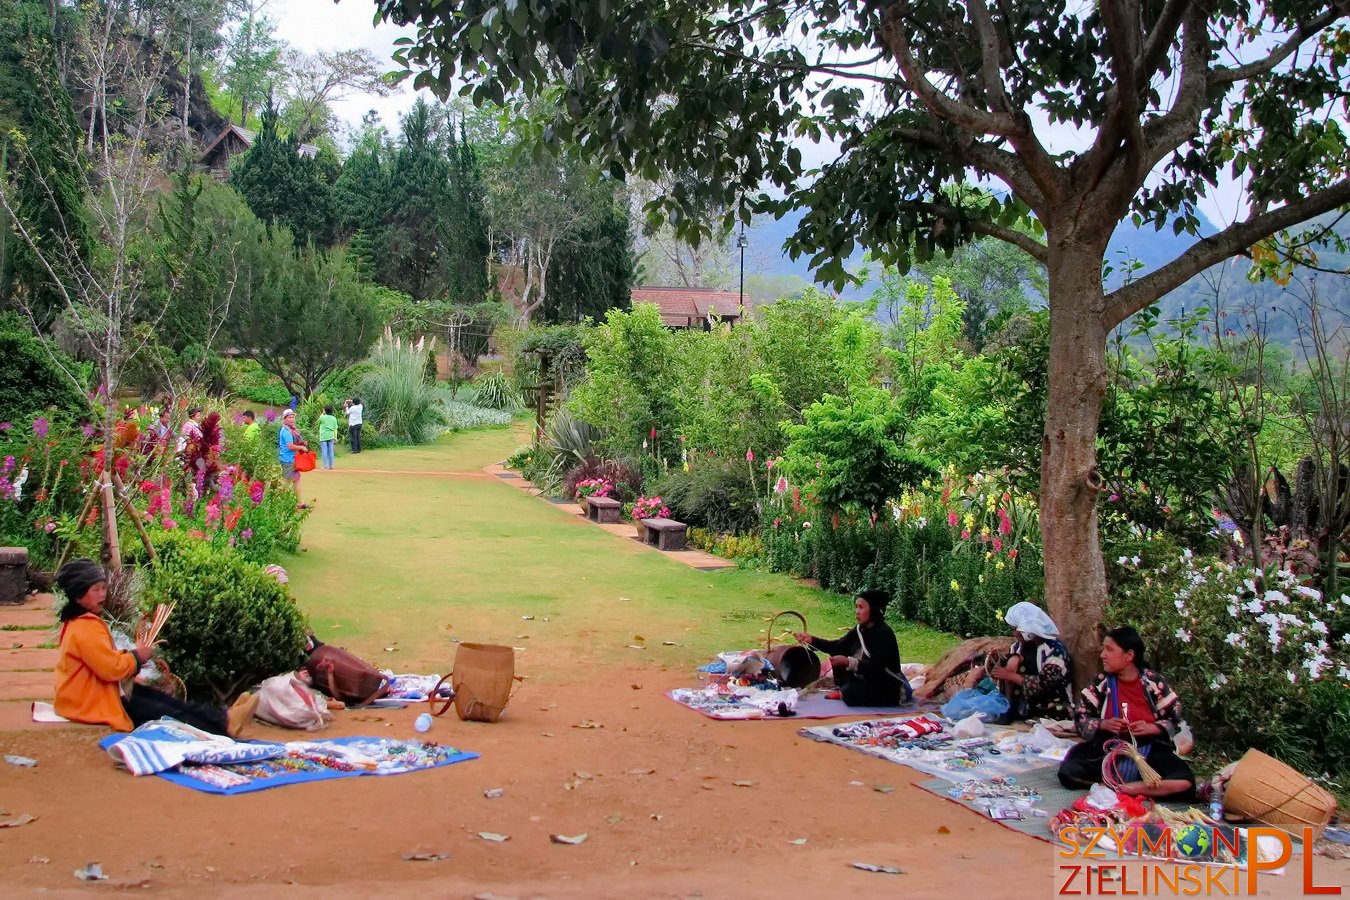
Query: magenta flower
x: 769, y: 463
x: 749, y: 456
x: 239, y: 418
x: 1113, y: 498
x: 225, y: 489
x: 270, y: 416
x: 255, y: 492
x: 1004, y: 524
x: 87, y: 429
x: 998, y: 545
x: 5, y: 426
x: 40, y: 426
x: 168, y: 523
x: 246, y: 534
x: 780, y: 486
x: 952, y: 519
x: 9, y: 465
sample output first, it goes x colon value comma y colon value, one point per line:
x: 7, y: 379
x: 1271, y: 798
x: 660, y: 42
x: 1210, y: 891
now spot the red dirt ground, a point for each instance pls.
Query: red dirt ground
x: 684, y: 830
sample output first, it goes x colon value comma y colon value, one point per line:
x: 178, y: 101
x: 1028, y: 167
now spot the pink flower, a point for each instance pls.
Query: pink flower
x: 168, y: 523
x: 1004, y: 524
x: 238, y: 418
x: 87, y: 429
x: 769, y: 464
x: 49, y: 527
x: 952, y: 519
x: 780, y: 486
x: 749, y: 456
x: 965, y: 534
x: 270, y: 416
x: 1113, y: 498
x: 246, y: 534
x: 40, y: 426
x: 998, y: 545
x: 652, y: 434
x: 1012, y: 554
x: 255, y: 492
x: 5, y: 426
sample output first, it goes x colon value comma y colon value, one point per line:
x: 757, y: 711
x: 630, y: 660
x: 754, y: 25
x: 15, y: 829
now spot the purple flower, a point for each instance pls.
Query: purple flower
x: 255, y: 492
x: 246, y: 534
x: 40, y: 426
x: 225, y: 489
x: 9, y: 465
x: 5, y: 426
x: 87, y: 429
x: 239, y: 418
x: 270, y: 416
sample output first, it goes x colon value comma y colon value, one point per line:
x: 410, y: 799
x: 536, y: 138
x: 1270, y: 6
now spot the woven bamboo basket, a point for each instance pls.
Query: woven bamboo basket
x: 1265, y: 790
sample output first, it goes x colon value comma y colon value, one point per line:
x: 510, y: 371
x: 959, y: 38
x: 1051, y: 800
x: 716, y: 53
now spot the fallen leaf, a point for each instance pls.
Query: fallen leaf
x: 744, y: 783
x: 565, y: 839
x: 709, y: 787
x: 641, y: 772
x: 545, y: 619
x: 856, y: 783
x: 494, y: 837
x: 494, y: 793
x: 943, y: 829
x: 488, y: 895
x: 390, y: 649
x: 797, y: 841
x: 154, y: 864
x: 527, y: 618
x: 636, y: 687
x: 546, y: 734
x: 588, y: 724
x: 23, y: 761
x: 425, y: 857
x: 614, y: 819
x: 655, y: 817
x: 519, y: 649
x: 885, y: 870
x: 17, y: 821
x: 883, y: 789
x: 638, y: 637
x: 91, y: 872
x: 39, y: 860
x: 522, y: 637
x: 625, y: 599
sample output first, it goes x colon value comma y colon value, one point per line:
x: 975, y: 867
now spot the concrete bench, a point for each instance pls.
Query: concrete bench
x: 664, y: 534
x: 13, y: 574
x: 603, y: 510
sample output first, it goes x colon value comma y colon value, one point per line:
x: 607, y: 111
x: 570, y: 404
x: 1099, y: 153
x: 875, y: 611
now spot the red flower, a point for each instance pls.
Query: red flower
x: 232, y: 519
x: 1012, y: 554
x: 998, y: 545
x: 199, y: 535
x: 148, y: 487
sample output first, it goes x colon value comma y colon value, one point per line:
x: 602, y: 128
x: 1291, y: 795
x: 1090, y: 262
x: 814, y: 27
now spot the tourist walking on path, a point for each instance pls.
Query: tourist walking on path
x: 327, y: 436
x: 354, y: 414
x: 288, y: 442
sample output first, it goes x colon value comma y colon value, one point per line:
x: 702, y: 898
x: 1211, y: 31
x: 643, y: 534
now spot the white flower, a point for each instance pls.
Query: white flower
x: 1122, y: 561
x: 1232, y: 611
x: 1135, y: 561
x: 1318, y: 626
x: 1254, y: 606
x: 1293, y: 677
x: 1186, y: 553
x: 1184, y: 635
x: 1181, y: 605
x: 1344, y: 673
x: 1277, y: 597
x: 19, y: 483
x: 1315, y: 665
x: 1235, y: 639
x: 1218, y: 681
x: 1310, y: 593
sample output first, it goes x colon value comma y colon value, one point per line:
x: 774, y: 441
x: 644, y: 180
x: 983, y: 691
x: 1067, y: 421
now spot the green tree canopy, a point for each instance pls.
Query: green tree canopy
x: 283, y: 186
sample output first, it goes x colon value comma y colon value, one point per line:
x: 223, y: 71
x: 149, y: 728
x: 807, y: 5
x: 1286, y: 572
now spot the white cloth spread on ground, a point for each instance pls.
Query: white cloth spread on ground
x: 165, y: 743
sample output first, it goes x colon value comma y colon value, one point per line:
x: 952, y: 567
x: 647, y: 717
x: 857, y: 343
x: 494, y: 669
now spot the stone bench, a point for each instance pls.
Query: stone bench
x: 664, y: 534
x: 13, y: 574
x: 603, y: 510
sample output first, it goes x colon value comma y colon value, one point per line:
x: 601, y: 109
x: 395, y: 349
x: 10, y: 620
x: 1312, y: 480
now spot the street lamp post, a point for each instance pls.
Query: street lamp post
x: 742, y: 243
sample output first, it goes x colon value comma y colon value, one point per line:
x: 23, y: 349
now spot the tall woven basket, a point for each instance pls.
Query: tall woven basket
x: 1265, y: 790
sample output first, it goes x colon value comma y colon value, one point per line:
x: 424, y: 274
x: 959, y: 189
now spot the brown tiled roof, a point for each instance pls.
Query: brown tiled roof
x: 687, y: 307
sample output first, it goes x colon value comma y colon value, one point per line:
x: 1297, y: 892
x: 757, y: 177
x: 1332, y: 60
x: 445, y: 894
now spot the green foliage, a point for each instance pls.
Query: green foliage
x: 39, y: 151
x: 232, y: 625
x: 284, y: 187
x: 1255, y: 667
x: 398, y: 400
x: 744, y: 548
x: 852, y: 451
x: 593, y: 271
x: 719, y: 494
x: 568, y: 442
x: 252, y: 382
x: 495, y: 391
x: 460, y: 416
x: 30, y: 379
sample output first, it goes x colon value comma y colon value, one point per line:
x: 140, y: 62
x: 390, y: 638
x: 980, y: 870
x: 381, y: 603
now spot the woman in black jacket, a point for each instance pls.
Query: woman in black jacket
x: 866, y: 661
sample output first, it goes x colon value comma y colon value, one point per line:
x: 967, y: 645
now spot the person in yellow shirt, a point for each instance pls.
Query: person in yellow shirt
x: 252, y: 428
x: 90, y: 669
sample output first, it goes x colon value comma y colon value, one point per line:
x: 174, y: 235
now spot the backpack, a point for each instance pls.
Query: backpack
x: 345, y: 676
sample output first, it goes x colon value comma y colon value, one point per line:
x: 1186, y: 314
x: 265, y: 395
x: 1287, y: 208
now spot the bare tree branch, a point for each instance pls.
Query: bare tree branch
x: 1222, y: 76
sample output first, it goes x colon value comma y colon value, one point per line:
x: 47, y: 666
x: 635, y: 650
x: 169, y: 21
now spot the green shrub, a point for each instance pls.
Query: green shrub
x: 522, y: 459
x: 495, y: 391
x: 1260, y: 663
x: 29, y: 379
x: 747, y: 548
x: 626, y: 480
x: 232, y: 624
x: 248, y: 380
x: 713, y: 493
x: 343, y: 384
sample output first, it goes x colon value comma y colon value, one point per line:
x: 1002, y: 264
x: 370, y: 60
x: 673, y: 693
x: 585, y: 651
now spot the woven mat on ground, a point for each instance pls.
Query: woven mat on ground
x: 809, y: 706
x: 218, y: 765
x: 935, y: 757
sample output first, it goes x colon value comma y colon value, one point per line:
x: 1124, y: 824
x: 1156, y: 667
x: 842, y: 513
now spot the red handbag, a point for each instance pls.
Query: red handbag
x: 305, y: 461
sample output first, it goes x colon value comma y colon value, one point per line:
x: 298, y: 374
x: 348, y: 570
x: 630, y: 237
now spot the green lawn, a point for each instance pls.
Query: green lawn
x: 413, y: 560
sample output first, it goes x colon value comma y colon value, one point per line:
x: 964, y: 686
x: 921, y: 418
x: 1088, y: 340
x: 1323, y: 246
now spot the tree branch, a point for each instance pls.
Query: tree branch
x: 1160, y: 39
x: 989, y: 55
x: 1223, y: 76
x: 1128, y: 300
x: 1033, y: 248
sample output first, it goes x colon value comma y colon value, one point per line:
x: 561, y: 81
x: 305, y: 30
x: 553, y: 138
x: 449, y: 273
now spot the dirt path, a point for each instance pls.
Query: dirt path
x: 654, y: 788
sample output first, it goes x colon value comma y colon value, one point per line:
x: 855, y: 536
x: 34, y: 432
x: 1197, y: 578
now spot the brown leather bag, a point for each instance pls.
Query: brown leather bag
x: 345, y: 676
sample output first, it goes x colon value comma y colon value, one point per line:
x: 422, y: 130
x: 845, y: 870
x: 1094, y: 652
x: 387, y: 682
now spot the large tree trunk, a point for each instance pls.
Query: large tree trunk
x: 1075, y: 576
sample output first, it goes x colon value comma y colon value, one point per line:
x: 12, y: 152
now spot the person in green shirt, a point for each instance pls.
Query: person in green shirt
x: 327, y: 436
x: 252, y: 428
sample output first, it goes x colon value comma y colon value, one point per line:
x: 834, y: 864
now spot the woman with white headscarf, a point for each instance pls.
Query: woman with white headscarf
x: 1037, y: 676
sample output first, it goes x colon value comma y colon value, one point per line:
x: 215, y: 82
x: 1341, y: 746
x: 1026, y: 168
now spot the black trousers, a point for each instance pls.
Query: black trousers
x: 147, y: 704
x: 855, y: 691
x: 354, y: 435
x: 1082, y: 768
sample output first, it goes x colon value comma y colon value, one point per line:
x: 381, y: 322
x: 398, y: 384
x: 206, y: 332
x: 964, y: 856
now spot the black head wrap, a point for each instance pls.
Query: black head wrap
x: 876, y: 601
x: 75, y: 579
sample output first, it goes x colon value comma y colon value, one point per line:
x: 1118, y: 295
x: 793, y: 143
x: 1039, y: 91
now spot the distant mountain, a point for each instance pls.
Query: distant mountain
x: 1225, y: 284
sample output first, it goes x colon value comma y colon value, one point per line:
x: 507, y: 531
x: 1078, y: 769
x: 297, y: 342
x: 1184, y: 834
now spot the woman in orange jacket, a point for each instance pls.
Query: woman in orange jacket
x: 90, y: 670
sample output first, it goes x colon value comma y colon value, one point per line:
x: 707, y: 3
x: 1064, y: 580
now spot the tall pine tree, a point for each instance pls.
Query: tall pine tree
x: 593, y: 270
x: 466, y: 225
x: 283, y: 186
